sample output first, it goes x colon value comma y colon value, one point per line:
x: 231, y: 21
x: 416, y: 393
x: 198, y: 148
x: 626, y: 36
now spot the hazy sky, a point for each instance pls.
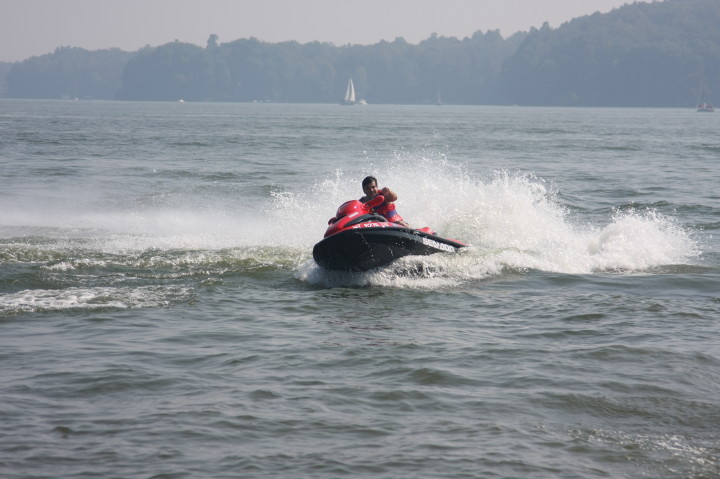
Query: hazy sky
x: 36, y: 27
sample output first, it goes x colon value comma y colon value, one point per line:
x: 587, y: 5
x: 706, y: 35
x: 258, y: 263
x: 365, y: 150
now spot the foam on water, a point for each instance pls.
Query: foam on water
x: 512, y: 220
x: 38, y: 300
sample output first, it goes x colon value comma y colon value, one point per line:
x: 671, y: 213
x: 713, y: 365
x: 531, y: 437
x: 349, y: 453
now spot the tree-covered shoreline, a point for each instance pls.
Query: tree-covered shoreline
x: 662, y: 54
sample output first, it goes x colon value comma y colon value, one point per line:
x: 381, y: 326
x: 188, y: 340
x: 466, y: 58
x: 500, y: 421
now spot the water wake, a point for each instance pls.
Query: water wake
x: 513, y: 221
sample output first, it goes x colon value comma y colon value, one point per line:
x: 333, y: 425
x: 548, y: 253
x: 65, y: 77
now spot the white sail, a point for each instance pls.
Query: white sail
x: 350, y: 93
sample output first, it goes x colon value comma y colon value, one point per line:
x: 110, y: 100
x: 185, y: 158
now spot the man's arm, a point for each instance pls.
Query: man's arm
x: 389, y: 194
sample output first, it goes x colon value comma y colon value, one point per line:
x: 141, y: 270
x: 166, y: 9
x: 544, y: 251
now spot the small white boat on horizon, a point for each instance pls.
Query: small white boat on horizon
x: 702, y: 105
x: 705, y: 107
x: 349, y: 94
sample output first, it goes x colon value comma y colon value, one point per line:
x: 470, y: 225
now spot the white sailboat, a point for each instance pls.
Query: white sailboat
x: 702, y: 106
x: 349, y: 93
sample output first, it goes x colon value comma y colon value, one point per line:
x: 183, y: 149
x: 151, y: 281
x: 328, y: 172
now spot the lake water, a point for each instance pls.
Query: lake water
x: 161, y: 315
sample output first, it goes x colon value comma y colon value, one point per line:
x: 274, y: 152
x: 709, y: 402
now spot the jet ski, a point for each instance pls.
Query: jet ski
x: 359, y: 240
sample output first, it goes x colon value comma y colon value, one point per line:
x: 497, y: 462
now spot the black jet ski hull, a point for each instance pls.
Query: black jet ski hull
x: 363, y: 249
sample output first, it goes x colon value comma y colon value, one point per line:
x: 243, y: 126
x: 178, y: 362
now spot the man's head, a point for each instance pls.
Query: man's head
x: 369, y: 186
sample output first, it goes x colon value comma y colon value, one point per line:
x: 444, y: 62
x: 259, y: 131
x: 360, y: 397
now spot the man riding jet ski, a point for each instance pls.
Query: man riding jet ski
x: 387, y: 208
x: 358, y: 238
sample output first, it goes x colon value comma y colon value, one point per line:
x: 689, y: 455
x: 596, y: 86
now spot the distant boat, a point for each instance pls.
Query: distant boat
x: 349, y: 94
x: 702, y: 106
x: 705, y: 108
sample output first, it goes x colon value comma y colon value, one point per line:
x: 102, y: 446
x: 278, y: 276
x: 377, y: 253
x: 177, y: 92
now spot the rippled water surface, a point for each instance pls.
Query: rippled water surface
x: 161, y: 315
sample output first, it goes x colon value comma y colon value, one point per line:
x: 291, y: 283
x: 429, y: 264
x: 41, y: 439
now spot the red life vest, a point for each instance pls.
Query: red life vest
x: 387, y: 209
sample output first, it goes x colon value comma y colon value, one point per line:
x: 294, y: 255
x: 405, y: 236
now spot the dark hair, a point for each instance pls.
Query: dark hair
x: 368, y: 180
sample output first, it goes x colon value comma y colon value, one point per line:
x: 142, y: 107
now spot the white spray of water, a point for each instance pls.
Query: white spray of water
x: 512, y: 221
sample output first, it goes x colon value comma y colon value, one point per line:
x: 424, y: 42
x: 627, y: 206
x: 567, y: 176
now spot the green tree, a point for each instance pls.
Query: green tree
x: 68, y: 72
